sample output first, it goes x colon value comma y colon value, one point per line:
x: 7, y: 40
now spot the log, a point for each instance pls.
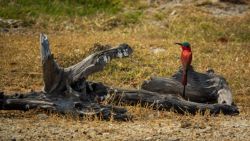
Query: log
x: 201, y: 87
x: 67, y: 91
x: 171, y: 102
x: 161, y: 101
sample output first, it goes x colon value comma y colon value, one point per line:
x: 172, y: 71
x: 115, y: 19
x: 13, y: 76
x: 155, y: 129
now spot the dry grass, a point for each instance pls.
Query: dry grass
x: 221, y: 43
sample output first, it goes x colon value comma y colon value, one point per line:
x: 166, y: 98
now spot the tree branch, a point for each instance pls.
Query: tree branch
x: 96, y: 62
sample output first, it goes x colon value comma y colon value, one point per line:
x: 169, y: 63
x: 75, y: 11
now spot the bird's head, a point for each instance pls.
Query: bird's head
x: 185, y: 45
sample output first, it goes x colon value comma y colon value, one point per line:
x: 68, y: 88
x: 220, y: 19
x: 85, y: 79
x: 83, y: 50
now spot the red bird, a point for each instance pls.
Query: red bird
x: 186, y: 59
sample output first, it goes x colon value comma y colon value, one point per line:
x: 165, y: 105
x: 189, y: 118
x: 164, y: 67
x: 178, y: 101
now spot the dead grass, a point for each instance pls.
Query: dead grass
x: 217, y: 42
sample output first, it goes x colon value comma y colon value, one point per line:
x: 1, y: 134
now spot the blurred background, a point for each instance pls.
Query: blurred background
x: 109, y: 14
x: 218, y: 30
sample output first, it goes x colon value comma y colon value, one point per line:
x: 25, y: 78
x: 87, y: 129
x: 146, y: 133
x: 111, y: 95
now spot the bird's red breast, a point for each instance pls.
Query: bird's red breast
x: 186, y: 59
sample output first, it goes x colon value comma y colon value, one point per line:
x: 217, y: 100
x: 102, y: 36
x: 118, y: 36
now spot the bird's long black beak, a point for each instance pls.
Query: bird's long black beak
x: 178, y: 44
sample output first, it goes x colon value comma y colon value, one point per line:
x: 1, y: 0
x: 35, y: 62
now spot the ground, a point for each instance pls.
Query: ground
x: 219, y: 33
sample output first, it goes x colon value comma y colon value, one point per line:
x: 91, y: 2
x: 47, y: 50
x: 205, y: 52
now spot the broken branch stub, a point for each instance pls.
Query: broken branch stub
x: 52, y: 73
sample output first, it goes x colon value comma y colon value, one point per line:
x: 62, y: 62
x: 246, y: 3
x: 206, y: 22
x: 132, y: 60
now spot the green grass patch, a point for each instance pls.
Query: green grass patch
x: 26, y: 9
x: 131, y: 17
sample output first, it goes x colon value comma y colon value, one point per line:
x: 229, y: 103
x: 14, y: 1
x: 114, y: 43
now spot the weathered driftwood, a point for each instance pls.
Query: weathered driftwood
x: 201, y: 87
x: 67, y: 91
x: 170, y: 102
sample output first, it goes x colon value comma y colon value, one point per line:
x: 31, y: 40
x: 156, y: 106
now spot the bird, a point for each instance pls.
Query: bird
x: 186, y: 60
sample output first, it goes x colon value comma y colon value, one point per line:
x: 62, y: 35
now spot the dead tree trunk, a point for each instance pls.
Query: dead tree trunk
x: 67, y: 91
x: 170, y: 102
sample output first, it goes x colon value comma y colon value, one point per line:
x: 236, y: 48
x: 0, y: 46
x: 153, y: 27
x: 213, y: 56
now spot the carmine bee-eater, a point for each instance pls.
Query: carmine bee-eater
x: 186, y: 59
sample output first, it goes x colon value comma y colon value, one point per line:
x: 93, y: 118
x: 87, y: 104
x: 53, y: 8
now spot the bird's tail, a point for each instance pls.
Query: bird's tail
x: 184, y: 82
x: 184, y: 77
x: 184, y: 91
